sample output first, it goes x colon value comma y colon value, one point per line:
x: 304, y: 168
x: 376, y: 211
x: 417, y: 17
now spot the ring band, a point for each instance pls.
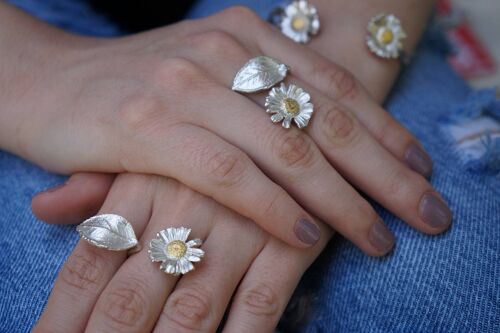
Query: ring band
x: 176, y: 254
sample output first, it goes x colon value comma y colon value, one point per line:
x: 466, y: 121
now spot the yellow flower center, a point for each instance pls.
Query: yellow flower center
x: 386, y: 37
x: 291, y: 106
x: 176, y: 249
x: 299, y: 23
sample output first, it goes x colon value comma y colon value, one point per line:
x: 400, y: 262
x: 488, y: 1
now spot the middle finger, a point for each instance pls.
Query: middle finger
x: 344, y: 140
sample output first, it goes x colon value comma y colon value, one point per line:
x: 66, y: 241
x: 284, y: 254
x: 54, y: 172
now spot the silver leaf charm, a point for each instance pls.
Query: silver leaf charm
x: 260, y: 73
x: 108, y: 231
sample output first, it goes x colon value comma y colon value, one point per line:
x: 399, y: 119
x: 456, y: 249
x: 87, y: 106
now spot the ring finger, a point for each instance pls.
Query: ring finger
x: 88, y: 269
x: 346, y: 143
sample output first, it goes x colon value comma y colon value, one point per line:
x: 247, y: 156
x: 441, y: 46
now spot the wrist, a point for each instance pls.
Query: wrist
x: 343, y: 37
x: 29, y: 51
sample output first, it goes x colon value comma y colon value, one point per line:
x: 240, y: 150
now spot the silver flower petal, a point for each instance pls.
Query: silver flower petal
x: 175, y: 253
x: 385, y: 36
x: 287, y: 103
x: 258, y: 74
x: 300, y: 21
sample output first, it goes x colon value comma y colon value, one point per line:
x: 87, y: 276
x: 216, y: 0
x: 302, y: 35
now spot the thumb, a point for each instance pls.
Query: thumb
x: 76, y: 200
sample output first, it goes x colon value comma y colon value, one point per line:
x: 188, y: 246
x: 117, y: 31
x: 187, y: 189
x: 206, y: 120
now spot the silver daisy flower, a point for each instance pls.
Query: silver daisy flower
x: 170, y: 247
x: 385, y: 36
x: 287, y: 103
x: 300, y: 21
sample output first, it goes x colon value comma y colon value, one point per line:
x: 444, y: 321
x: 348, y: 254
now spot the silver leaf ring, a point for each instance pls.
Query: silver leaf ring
x: 109, y: 231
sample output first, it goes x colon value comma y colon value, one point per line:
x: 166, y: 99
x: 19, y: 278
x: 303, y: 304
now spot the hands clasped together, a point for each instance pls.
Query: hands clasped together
x: 160, y: 104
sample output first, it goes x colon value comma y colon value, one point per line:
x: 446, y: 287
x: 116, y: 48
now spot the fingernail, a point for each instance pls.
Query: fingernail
x: 434, y: 211
x: 381, y: 237
x: 307, y: 232
x: 418, y: 160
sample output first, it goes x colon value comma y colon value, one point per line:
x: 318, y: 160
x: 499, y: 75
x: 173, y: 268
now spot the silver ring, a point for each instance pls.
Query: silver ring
x: 285, y: 103
x: 259, y: 73
x: 299, y: 20
x: 385, y: 37
x: 174, y: 251
x: 109, y: 231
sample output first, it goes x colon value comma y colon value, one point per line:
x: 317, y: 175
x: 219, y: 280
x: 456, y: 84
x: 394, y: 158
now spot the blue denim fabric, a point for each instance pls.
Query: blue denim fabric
x: 447, y: 283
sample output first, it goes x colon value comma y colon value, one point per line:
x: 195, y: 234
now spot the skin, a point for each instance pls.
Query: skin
x: 103, y: 291
x: 126, y: 139
x: 114, y: 100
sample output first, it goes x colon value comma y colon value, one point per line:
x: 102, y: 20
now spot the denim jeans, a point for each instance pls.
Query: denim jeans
x: 445, y: 283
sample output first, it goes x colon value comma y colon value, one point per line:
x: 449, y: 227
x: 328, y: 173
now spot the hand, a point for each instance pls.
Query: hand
x: 104, y: 291
x: 160, y: 103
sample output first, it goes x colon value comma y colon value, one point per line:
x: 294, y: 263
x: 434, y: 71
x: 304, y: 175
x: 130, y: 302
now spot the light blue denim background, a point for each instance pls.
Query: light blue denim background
x: 448, y: 283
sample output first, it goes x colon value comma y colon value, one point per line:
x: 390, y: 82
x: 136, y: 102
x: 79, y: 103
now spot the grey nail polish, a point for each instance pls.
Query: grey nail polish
x: 434, y: 211
x: 381, y: 237
x: 418, y: 160
x: 307, y: 232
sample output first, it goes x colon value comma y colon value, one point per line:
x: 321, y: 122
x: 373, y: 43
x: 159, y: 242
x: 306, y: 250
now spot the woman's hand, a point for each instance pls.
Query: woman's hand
x: 160, y: 103
x: 104, y: 291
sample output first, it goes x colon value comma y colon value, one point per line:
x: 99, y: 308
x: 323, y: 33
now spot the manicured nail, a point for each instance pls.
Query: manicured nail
x: 307, y: 232
x: 418, y: 160
x: 434, y: 211
x: 381, y: 237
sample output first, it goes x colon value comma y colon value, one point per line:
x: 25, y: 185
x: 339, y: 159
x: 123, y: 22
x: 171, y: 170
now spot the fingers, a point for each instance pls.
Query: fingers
x: 338, y: 84
x: 261, y: 297
x: 88, y: 270
x: 347, y: 145
x: 200, y: 299
x: 327, y: 77
x: 76, y: 200
x: 291, y: 158
x: 134, y: 298
x: 213, y: 167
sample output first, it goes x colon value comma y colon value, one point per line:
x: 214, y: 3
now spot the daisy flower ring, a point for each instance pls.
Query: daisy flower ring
x: 176, y: 254
x: 385, y: 36
x: 287, y: 103
x: 299, y: 21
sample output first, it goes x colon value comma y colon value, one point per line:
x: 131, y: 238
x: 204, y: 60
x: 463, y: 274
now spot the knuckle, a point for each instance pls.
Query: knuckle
x: 125, y: 305
x: 273, y: 204
x: 241, y: 15
x: 261, y: 300
x: 189, y: 309
x: 338, y: 81
x: 218, y: 43
x: 227, y: 168
x: 337, y: 125
x: 295, y: 150
x: 180, y: 73
x: 83, y: 272
x: 140, y: 112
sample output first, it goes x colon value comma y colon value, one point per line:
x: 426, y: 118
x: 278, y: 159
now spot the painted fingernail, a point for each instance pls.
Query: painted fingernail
x: 434, y: 211
x: 418, y: 160
x: 381, y: 237
x: 307, y: 232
